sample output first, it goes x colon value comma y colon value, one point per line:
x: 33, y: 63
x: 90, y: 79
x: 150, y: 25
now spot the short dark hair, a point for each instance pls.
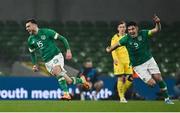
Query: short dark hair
x: 31, y: 20
x: 88, y: 59
x: 122, y: 22
x: 131, y: 23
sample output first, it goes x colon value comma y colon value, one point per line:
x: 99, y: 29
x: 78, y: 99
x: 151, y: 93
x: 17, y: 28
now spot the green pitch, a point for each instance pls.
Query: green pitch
x: 87, y: 106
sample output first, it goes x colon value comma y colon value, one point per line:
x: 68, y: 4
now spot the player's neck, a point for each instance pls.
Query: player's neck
x: 36, y: 31
x: 121, y: 34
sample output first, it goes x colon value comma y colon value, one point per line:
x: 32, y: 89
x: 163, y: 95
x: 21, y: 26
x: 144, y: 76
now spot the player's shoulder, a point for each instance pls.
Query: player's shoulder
x: 94, y: 69
x: 125, y: 36
x: 144, y: 31
x: 30, y: 37
x: 45, y: 29
x: 115, y: 36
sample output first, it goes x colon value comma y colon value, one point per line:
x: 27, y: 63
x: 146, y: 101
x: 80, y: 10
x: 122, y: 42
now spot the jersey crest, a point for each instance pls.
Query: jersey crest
x: 43, y: 37
x: 136, y: 45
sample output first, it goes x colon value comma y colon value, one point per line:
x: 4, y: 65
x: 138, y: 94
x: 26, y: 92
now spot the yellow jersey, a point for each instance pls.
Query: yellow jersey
x: 120, y: 53
x: 122, y: 57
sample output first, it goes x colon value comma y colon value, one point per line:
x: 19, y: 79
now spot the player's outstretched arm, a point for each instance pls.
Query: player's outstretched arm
x: 157, y: 27
x: 113, y: 47
x: 34, y: 62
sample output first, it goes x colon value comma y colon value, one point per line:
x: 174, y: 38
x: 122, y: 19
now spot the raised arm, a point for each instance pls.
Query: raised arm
x: 157, y: 27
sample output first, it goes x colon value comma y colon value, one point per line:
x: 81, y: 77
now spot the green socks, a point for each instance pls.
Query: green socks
x: 63, y: 84
x: 76, y: 80
x: 163, y: 88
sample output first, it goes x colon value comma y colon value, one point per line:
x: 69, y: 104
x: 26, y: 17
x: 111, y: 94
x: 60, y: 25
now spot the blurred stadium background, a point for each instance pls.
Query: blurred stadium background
x: 89, y: 26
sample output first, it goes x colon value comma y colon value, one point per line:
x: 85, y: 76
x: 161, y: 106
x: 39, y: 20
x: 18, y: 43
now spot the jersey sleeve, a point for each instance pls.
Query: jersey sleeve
x: 53, y: 34
x: 32, y: 48
x: 150, y: 33
x: 147, y: 33
x: 31, y: 45
x: 123, y: 40
x: 64, y: 40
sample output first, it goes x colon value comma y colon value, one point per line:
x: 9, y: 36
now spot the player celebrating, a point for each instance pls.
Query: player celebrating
x: 137, y: 44
x: 122, y: 69
x: 43, y: 40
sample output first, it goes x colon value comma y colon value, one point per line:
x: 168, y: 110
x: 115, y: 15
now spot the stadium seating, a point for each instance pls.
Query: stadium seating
x: 89, y: 39
x: 72, y: 28
x: 87, y: 28
x: 57, y: 25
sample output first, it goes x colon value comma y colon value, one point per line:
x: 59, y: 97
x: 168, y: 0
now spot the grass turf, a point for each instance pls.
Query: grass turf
x: 86, y: 106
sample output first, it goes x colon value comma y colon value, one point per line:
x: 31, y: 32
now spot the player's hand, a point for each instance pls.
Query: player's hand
x: 156, y: 19
x: 35, y: 68
x: 68, y: 55
x: 108, y: 49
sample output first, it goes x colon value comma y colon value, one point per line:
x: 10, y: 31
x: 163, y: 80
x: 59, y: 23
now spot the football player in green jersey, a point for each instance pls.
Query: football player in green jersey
x: 137, y: 44
x: 43, y: 41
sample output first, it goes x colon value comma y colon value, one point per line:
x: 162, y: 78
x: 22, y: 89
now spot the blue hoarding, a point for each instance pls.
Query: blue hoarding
x: 47, y: 88
x: 43, y: 88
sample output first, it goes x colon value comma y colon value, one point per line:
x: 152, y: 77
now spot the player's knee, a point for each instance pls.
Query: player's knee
x: 69, y: 82
x: 121, y: 78
x: 157, y: 77
x: 151, y: 82
x: 56, y: 70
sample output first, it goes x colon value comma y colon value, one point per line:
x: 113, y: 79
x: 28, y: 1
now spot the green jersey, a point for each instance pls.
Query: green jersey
x: 44, y: 42
x: 138, y: 47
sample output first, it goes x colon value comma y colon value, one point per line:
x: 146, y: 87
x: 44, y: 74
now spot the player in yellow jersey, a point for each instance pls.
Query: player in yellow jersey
x: 122, y: 68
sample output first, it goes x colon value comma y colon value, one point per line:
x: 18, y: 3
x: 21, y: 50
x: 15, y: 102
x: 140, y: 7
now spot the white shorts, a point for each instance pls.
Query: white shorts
x: 58, y: 60
x: 145, y: 70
